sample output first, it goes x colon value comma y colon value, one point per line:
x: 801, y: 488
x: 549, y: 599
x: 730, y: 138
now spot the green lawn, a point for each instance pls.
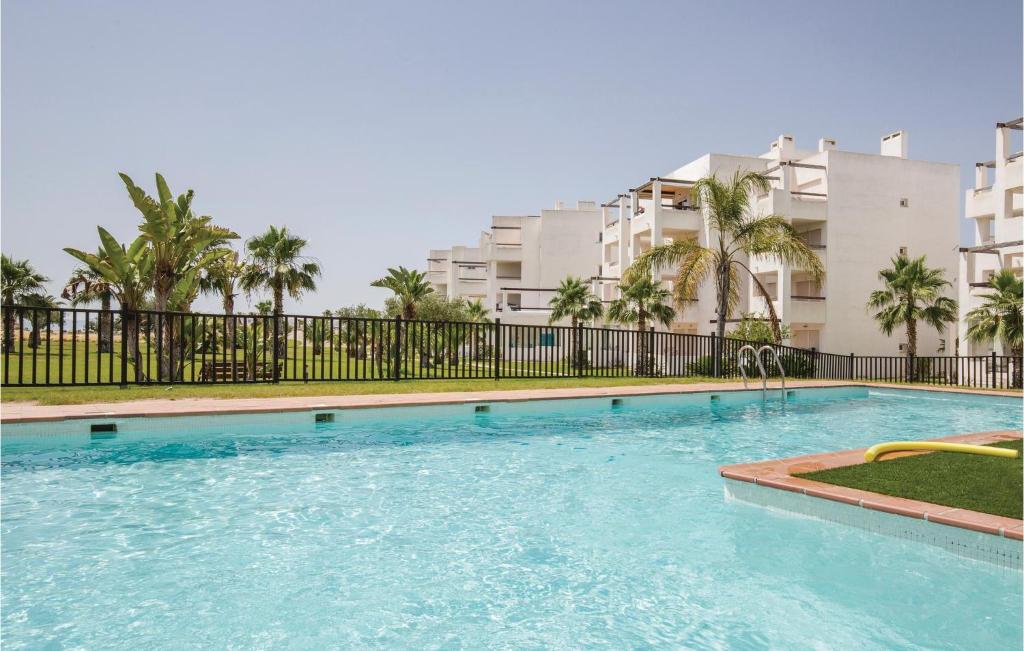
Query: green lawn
x: 967, y: 481
x: 83, y: 394
x: 62, y: 362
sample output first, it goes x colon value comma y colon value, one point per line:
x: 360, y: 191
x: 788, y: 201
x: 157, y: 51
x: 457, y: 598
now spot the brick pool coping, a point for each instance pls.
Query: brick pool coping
x: 777, y: 474
x: 27, y: 412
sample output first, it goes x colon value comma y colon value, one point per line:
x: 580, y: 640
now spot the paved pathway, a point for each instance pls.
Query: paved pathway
x: 20, y: 412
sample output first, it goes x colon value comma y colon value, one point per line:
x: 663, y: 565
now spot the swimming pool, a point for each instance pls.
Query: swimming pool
x: 554, y: 524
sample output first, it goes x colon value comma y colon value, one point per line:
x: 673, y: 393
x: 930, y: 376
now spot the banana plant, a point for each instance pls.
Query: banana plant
x: 181, y: 244
x: 129, y: 272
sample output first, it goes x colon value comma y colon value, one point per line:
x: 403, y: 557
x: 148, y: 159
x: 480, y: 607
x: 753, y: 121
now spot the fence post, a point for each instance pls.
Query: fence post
x: 850, y: 374
x: 650, y: 352
x: 578, y: 352
x: 908, y: 376
x: 497, y: 349
x: 993, y: 370
x: 716, y: 357
x: 124, y: 349
x: 398, y: 347
x: 274, y: 347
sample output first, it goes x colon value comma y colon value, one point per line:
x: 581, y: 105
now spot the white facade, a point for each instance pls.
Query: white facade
x: 520, y: 260
x: 856, y: 210
x: 995, y: 205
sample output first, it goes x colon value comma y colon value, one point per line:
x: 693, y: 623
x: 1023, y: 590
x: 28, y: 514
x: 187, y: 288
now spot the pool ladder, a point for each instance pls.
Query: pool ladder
x: 741, y: 363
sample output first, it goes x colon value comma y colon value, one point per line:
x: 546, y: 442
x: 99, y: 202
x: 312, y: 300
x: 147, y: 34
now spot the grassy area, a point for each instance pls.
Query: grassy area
x: 966, y: 481
x: 84, y: 395
x: 83, y: 363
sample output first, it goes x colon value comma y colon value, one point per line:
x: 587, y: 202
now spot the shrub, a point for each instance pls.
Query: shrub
x: 794, y: 365
x: 706, y: 366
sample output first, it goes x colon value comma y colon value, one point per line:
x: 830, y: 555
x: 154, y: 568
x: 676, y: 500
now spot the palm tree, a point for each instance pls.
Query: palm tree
x: 477, y: 312
x: 739, y: 235
x: 276, y: 263
x: 129, y: 271
x: 86, y: 286
x: 409, y: 286
x: 181, y: 244
x: 18, y: 281
x: 912, y: 292
x: 640, y: 301
x: 222, y: 276
x: 1001, y: 318
x: 576, y: 301
x: 264, y: 308
x: 41, y: 315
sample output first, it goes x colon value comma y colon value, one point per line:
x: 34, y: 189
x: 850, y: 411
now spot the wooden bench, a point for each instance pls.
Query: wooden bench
x: 234, y: 372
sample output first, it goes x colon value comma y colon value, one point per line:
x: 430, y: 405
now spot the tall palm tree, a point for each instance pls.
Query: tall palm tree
x: 1000, y: 317
x: 86, y: 286
x: 640, y: 301
x: 276, y: 263
x: 409, y: 286
x: 736, y: 234
x: 576, y: 301
x: 912, y: 292
x: 222, y: 277
x: 129, y: 271
x: 18, y: 281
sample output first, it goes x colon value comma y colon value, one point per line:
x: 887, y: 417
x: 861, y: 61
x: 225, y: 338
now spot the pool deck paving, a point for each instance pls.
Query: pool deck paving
x: 778, y: 474
x: 26, y: 412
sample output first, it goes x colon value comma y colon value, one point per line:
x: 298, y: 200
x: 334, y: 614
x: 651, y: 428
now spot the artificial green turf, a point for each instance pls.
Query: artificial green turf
x: 966, y: 481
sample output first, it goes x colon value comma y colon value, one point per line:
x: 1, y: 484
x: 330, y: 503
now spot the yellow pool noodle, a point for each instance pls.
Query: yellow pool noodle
x: 876, y: 451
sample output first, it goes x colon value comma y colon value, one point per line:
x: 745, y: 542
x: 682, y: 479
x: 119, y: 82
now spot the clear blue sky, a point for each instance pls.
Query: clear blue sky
x: 378, y: 130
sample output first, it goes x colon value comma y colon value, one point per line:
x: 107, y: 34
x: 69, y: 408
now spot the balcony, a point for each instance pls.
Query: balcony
x: 819, y: 250
x: 980, y: 203
x: 469, y: 271
x: 669, y: 219
x: 680, y: 219
x: 806, y: 309
x: 797, y: 205
x: 1014, y: 170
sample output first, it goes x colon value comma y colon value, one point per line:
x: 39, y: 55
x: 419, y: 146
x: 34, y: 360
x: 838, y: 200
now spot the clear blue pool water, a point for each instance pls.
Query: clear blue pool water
x: 549, y: 525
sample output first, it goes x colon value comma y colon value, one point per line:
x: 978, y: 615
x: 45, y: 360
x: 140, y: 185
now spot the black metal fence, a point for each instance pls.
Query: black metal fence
x: 61, y: 347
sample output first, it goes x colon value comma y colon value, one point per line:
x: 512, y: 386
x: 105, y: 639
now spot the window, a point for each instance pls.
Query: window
x: 903, y: 250
x: 904, y: 203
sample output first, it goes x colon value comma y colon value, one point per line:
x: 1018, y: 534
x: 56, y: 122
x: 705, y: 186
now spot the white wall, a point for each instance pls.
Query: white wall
x: 866, y: 228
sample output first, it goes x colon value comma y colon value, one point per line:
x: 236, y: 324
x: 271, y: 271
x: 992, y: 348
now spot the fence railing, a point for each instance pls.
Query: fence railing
x: 74, y: 346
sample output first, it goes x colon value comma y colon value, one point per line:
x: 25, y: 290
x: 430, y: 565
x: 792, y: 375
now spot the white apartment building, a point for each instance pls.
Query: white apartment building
x: 520, y: 261
x: 856, y: 210
x: 995, y: 205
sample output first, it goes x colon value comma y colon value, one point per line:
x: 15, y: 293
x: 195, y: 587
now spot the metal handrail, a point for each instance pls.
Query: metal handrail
x: 778, y: 363
x: 743, y: 370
